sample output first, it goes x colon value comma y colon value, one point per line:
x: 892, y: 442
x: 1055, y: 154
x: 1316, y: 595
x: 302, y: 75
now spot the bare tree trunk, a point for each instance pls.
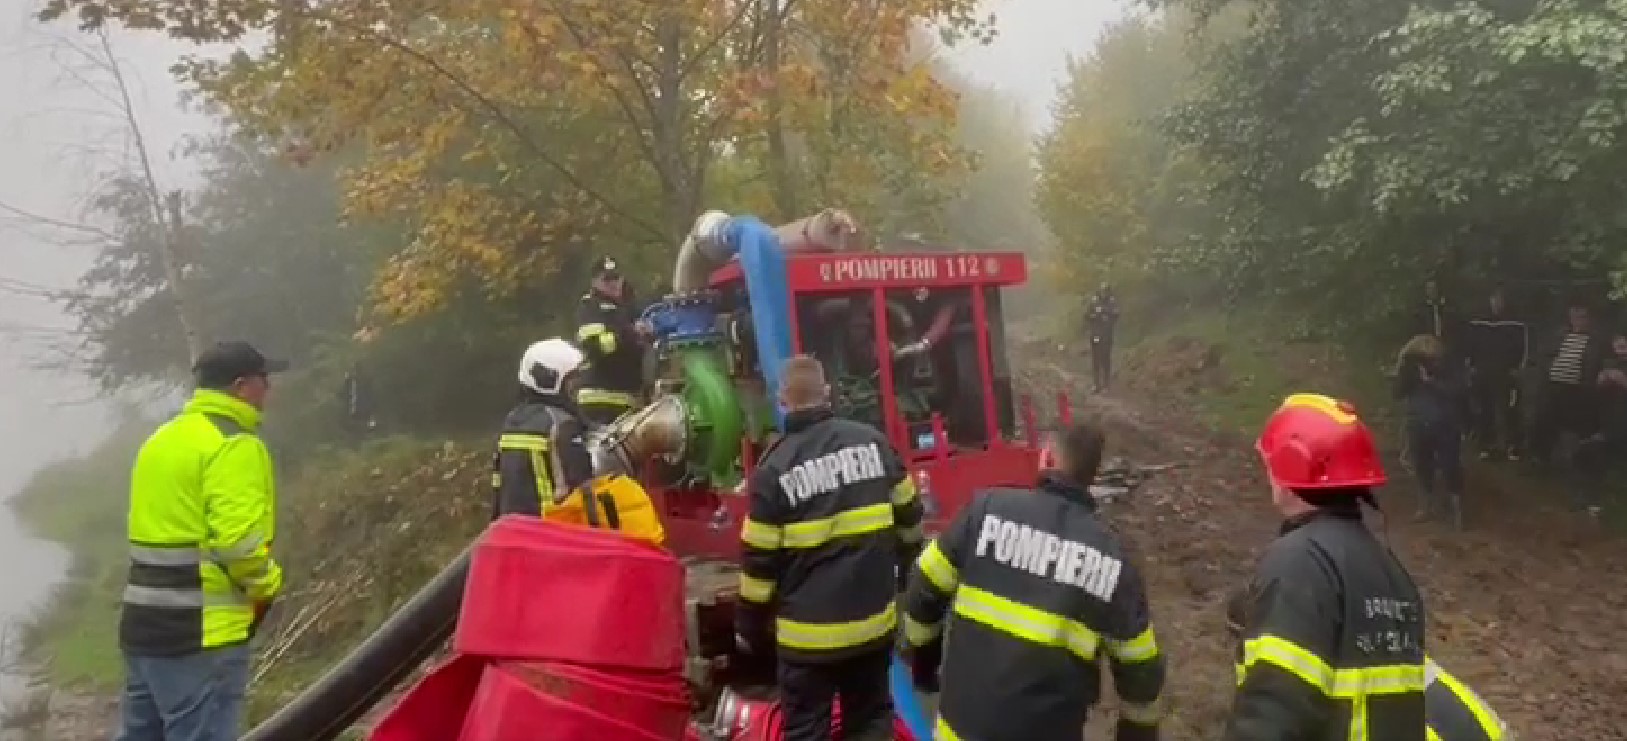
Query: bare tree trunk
x: 781, y: 171
x: 170, y: 223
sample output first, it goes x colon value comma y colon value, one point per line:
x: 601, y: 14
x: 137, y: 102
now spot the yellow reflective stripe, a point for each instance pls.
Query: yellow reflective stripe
x: 1340, y: 683
x: 1139, y: 648
x: 597, y: 331
x: 831, y: 636
x: 942, y: 732
x: 1144, y: 714
x: 522, y: 441
x: 857, y: 521
x: 756, y: 590
x: 496, y: 480
x: 913, y: 534
x: 1483, y: 714
x: 1027, y: 623
x: 904, y: 492
x: 609, y: 398
x: 937, y: 569
x: 1432, y: 735
x: 762, y: 536
x: 919, y: 633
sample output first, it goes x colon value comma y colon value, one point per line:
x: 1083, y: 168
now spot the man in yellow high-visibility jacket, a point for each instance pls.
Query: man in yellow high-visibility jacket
x: 202, y: 504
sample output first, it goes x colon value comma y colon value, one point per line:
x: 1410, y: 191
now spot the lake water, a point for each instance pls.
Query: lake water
x: 29, y: 569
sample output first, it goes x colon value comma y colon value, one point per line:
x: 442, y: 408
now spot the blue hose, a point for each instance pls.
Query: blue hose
x: 905, y: 703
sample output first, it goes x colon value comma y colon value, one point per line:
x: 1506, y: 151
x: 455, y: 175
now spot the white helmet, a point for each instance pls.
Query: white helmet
x: 546, y: 364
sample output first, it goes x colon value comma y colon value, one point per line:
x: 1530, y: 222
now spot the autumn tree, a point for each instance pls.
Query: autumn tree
x: 1124, y: 201
x: 513, y: 135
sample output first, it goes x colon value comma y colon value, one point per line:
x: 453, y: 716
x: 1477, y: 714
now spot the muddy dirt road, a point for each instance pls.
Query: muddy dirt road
x: 1529, y: 605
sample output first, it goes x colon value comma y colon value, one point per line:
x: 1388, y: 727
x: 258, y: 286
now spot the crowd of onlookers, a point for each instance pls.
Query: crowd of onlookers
x: 1550, y: 389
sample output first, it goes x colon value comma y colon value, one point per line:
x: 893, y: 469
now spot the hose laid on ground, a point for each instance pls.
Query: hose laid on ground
x: 355, y: 685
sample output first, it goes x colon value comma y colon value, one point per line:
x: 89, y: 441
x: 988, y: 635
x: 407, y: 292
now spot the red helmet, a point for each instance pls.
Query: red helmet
x: 1318, y: 442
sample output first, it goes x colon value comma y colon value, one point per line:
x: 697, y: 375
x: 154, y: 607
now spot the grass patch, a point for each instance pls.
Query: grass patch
x: 1231, y: 368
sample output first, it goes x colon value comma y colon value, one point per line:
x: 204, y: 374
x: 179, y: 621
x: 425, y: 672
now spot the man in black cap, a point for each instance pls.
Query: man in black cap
x: 201, y: 577
x: 608, y: 336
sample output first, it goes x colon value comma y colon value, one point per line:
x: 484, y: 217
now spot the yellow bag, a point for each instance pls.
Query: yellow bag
x: 621, y: 504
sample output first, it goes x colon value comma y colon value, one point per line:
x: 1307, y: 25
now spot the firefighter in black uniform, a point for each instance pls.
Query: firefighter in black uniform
x: 1454, y: 711
x: 609, y: 335
x: 1499, y: 348
x: 540, y: 456
x: 1035, y: 590
x: 1333, y: 631
x: 834, y: 514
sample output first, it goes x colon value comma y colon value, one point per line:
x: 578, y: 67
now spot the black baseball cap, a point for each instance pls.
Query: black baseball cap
x: 607, y: 268
x: 227, y: 362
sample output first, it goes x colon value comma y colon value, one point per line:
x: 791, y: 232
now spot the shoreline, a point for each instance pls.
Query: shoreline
x: 42, y: 709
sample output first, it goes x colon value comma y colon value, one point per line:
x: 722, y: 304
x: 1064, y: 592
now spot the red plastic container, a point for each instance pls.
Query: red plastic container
x: 506, y: 708
x: 658, y: 703
x: 542, y: 591
x: 436, y: 708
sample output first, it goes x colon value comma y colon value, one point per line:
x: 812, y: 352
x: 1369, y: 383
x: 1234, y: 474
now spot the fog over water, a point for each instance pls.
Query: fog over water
x: 46, y: 123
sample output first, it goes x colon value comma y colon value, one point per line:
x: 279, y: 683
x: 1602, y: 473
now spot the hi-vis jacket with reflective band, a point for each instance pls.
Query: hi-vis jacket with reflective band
x: 202, y: 518
x: 1033, y: 591
x: 833, y: 515
x: 539, y: 453
x: 1333, y: 638
x: 1456, y: 713
x: 615, y: 363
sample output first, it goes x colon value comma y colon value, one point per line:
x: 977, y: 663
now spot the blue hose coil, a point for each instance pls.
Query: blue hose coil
x: 905, y: 703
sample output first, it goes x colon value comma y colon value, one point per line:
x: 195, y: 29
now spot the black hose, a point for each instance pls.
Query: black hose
x: 356, y: 684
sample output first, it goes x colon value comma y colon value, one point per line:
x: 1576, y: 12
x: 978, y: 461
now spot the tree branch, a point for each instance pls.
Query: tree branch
x: 497, y: 114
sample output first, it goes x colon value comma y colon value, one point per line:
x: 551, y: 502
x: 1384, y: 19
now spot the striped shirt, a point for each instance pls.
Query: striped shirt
x: 1567, y: 366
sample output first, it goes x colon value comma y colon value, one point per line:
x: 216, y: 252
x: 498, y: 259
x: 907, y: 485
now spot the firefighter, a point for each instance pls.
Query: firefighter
x: 1454, y: 711
x: 1333, y: 641
x: 1035, y: 590
x: 1499, y: 348
x: 1103, y: 317
x: 541, y: 455
x: 833, y: 515
x: 610, y: 337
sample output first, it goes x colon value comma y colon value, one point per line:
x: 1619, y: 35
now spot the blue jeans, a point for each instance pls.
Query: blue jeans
x: 196, y: 697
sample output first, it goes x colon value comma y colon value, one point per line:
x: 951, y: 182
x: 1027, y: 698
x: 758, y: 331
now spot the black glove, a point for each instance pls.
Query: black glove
x: 1127, y: 731
x: 924, y: 663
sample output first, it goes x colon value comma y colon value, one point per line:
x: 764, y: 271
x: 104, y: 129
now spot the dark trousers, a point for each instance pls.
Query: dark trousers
x: 807, y: 689
x: 1565, y: 408
x: 1437, y: 452
x: 1496, y: 410
x: 1101, y: 360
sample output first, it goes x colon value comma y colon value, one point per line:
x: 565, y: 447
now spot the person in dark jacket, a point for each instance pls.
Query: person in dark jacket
x: 1573, y: 360
x: 1454, y: 712
x: 834, y: 514
x: 541, y: 457
x: 1436, y: 317
x: 1432, y: 390
x: 611, y: 338
x: 1498, y: 348
x: 1036, y: 592
x: 1102, y: 316
x: 1333, y: 636
x: 1608, y: 446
